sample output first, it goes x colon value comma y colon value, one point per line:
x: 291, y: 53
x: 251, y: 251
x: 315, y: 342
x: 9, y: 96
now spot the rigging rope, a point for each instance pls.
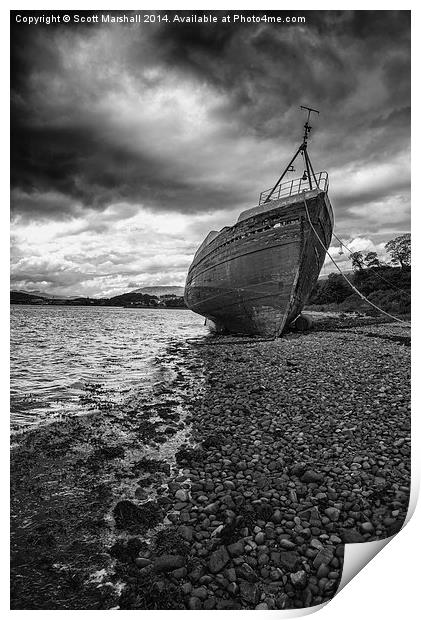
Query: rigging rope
x: 341, y: 272
x: 374, y: 272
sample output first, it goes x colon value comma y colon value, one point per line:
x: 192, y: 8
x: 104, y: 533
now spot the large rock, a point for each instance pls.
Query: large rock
x: 277, y: 516
x: 182, y: 495
x: 196, y: 574
x: 218, y: 560
x: 367, y: 527
x: 332, y: 513
x: 285, y: 543
x: 275, y: 556
x: 323, y: 557
x: 289, y: 560
x: 209, y: 603
x: 323, y: 571
x: 140, y: 493
x: 311, y: 476
x: 186, y: 532
x: 168, y: 562
x: 236, y: 548
x: 311, y: 515
x: 245, y: 572
x: 299, y: 579
x: 298, y: 469
x: 352, y: 536
x: 142, y: 562
x: 249, y: 592
x: 200, y: 593
x: 211, y: 509
x: 179, y: 573
x: 195, y: 603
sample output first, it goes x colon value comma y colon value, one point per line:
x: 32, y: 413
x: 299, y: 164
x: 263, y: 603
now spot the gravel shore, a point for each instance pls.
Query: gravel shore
x: 234, y: 485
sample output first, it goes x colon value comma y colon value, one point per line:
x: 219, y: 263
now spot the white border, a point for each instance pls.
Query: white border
x: 387, y: 586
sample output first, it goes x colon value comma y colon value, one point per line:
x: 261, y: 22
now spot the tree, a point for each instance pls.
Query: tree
x: 357, y: 261
x: 371, y: 260
x: 400, y: 250
x: 335, y: 289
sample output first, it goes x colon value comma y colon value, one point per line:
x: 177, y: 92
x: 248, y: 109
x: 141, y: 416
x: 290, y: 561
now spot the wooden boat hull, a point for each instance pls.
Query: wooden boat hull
x: 256, y: 276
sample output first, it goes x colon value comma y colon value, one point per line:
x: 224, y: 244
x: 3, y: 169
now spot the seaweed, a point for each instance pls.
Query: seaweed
x: 126, y: 550
x: 170, y: 542
x: 150, y: 593
x: 130, y: 517
x: 151, y: 466
x: 189, y: 456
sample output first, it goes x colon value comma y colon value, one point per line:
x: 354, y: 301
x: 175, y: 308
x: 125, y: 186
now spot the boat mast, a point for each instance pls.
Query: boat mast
x: 301, y: 149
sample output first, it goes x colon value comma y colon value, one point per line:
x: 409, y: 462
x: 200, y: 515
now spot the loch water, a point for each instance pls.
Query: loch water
x: 61, y: 353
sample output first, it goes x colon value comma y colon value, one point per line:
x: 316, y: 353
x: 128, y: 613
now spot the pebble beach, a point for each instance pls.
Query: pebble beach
x: 233, y: 484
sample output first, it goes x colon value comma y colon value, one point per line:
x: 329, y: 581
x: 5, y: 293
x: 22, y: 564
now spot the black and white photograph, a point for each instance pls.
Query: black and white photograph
x: 210, y: 304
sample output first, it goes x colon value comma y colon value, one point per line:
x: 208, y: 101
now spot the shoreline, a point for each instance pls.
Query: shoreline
x: 253, y: 463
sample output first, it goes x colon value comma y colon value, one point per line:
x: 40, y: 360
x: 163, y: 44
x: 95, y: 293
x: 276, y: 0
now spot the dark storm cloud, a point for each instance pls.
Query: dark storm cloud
x: 265, y: 69
x: 269, y: 70
x: 82, y: 166
x: 372, y: 194
x: 70, y: 152
x: 48, y: 204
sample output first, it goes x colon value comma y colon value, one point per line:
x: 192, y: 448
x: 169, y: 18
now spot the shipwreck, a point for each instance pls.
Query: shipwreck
x: 256, y: 276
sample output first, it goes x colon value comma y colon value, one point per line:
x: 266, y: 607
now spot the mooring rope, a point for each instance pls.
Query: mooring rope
x: 395, y: 318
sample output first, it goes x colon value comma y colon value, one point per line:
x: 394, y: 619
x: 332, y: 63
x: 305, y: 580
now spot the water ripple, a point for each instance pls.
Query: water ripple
x: 56, y: 351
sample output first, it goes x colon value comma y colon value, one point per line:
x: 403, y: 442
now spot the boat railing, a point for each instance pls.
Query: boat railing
x: 296, y: 186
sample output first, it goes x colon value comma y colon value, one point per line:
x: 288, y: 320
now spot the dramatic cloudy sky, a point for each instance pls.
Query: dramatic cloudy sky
x: 131, y: 142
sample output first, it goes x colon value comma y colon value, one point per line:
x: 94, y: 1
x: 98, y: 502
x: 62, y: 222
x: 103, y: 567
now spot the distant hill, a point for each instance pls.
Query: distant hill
x: 159, y: 291
x: 133, y: 298
x: 156, y: 296
x: 37, y: 293
x: 19, y: 297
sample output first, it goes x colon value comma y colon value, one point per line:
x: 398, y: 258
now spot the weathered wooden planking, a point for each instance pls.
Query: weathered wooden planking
x: 255, y: 276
